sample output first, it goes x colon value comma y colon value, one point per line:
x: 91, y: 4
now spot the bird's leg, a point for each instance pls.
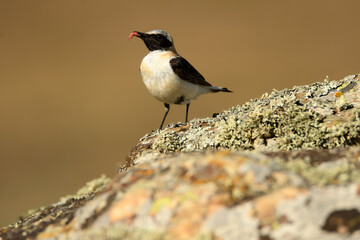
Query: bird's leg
x: 167, y: 107
x: 187, y: 111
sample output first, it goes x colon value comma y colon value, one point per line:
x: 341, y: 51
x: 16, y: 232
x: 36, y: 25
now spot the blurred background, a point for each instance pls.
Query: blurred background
x: 72, y: 102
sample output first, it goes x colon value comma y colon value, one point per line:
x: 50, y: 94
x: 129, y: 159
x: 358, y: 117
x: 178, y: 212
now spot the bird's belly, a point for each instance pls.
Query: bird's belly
x: 170, y: 89
x: 166, y: 86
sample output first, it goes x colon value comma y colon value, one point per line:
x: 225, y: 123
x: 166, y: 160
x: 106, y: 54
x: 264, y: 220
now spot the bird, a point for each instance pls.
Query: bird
x: 169, y: 77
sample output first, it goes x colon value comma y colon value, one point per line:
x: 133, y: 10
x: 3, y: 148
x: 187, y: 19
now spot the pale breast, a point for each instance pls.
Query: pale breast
x: 163, y: 83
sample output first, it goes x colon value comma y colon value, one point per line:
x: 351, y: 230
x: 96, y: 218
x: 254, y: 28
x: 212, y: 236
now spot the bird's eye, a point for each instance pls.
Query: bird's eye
x: 158, y: 37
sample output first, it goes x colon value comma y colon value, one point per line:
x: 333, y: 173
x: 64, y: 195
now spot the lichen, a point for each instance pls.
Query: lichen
x: 198, y: 136
x: 294, y: 118
x: 84, y: 192
x: 168, y: 142
x: 304, y: 117
x: 340, y: 172
x: 292, y: 126
x: 94, y: 185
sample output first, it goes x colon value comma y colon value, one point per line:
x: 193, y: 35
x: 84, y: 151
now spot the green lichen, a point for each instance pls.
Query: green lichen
x: 300, y: 118
x: 284, y: 121
x: 168, y: 142
x: 341, y: 172
x: 291, y: 126
x: 94, y: 185
x: 297, y: 126
x: 159, y: 204
x: 197, y: 137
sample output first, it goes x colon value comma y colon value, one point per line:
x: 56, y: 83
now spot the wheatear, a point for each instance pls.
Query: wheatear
x: 170, y: 78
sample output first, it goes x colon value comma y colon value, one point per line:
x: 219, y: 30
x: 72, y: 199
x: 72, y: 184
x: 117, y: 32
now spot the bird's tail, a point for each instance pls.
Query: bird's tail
x: 219, y: 89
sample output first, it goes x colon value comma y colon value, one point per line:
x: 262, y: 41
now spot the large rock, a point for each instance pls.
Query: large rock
x: 301, y: 179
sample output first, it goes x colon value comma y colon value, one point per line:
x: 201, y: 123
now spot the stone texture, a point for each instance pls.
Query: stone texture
x: 285, y: 166
x: 320, y: 115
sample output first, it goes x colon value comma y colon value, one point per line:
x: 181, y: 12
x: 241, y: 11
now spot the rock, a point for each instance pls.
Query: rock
x: 285, y: 166
x: 322, y: 115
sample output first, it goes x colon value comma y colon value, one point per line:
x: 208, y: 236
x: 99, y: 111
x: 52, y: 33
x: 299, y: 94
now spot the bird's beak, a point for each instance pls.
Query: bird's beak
x: 136, y: 34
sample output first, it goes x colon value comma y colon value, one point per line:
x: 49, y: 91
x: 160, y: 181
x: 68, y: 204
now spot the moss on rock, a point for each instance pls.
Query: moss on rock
x: 294, y: 119
x: 318, y: 116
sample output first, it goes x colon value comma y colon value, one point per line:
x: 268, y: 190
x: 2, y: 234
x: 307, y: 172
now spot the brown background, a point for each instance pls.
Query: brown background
x: 72, y: 102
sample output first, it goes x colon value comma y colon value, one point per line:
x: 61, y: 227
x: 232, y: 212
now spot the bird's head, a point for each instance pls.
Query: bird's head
x: 155, y: 40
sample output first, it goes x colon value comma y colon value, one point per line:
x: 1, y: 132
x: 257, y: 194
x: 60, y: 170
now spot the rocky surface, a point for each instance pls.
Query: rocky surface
x: 284, y: 166
x: 320, y: 115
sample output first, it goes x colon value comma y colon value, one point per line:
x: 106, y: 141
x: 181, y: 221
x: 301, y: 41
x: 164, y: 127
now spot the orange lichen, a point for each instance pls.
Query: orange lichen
x: 126, y: 208
x: 265, y: 206
x: 52, y: 232
x: 358, y: 190
x: 187, y: 220
x: 300, y: 95
x: 338, y: 94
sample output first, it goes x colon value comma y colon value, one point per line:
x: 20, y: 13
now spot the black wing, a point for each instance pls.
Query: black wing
x: 187, y: 72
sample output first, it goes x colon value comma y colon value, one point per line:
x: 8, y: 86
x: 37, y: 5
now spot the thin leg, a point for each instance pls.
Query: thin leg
x: 167, y: 107
x: 187, y: 111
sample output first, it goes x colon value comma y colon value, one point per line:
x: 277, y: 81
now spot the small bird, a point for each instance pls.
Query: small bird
x: 170, y: 78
